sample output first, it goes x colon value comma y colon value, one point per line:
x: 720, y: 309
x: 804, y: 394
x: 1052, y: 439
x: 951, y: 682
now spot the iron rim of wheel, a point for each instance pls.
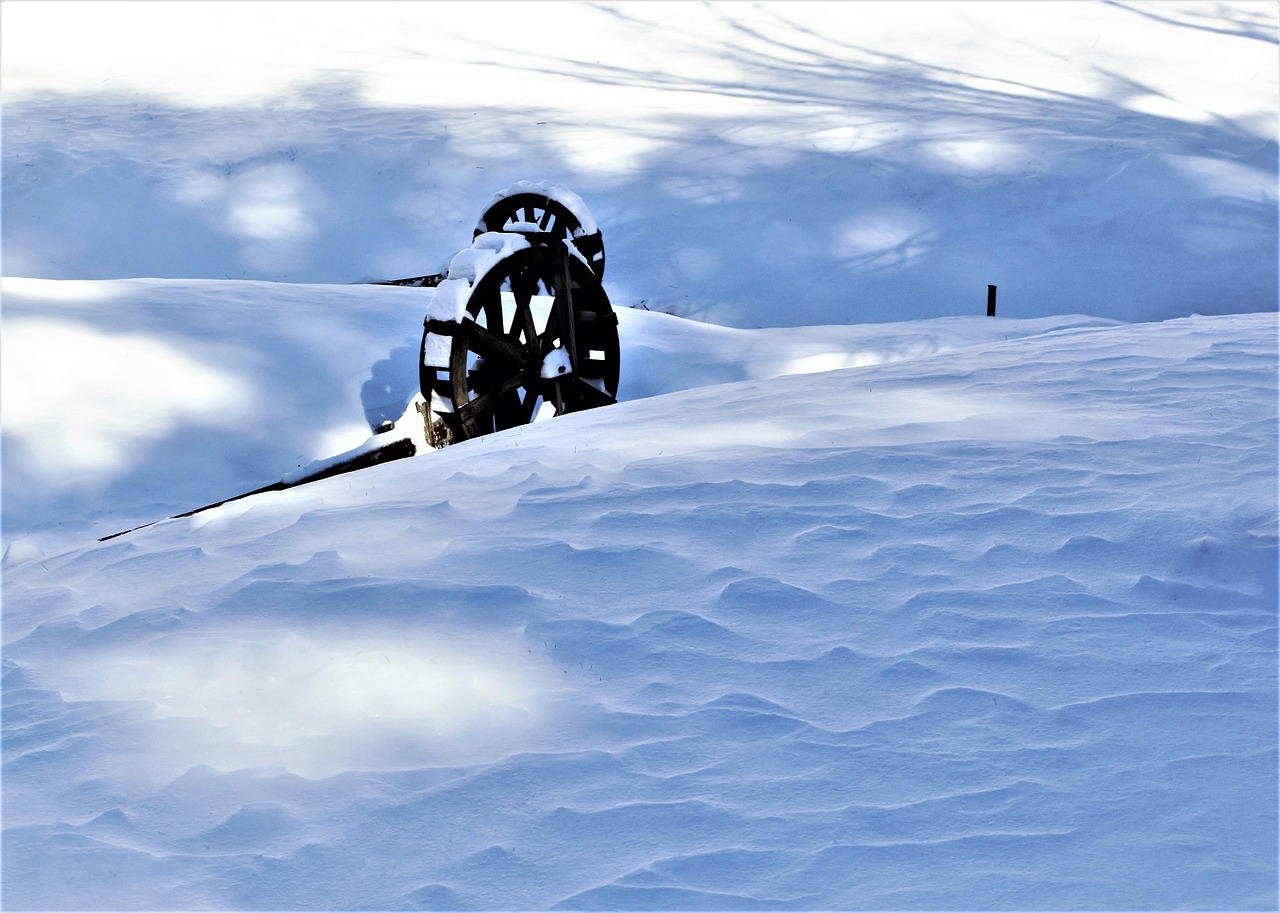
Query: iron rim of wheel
x: 515, y: 210
x: 502, y: 367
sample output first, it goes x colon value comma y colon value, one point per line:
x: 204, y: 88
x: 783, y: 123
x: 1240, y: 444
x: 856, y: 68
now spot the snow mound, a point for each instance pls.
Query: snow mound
x: 264, y: 381
x: 1005, y: 612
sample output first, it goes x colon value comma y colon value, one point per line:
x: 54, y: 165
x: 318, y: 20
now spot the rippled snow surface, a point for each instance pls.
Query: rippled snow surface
x: 992, y: 627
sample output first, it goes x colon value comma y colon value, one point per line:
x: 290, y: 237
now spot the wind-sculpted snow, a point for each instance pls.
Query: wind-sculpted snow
x: 130, y: 400
x: 989, y: 627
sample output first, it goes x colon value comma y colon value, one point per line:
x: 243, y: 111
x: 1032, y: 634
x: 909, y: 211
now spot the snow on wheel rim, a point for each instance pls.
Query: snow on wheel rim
x: 533, y: 207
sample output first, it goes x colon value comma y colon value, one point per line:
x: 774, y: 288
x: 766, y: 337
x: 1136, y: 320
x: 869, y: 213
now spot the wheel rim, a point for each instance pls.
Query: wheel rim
x: 553, y: 218
x: 500, y: 361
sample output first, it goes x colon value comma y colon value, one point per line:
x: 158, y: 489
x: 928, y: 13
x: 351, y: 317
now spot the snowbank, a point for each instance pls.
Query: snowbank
x: 997, y: 622
x: 126, y: 401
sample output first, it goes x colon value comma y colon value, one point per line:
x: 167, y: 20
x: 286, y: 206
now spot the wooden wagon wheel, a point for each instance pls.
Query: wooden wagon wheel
x: 501, y: 366
x: 555, y: 212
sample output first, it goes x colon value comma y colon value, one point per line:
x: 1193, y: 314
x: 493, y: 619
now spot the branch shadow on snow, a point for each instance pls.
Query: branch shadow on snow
x: 1222, y: 20
x: 854, y: 185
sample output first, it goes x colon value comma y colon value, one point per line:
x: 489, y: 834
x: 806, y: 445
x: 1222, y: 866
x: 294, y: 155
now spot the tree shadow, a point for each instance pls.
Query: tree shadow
x: 875, y: 187
x: 1240, y: 22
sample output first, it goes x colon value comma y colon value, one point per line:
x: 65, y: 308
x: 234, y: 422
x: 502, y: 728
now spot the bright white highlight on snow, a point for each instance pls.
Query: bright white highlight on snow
x: 1228, y: 179
x: 339, y: 439
x: 883, y: 239
x: 83, y: 401
x: 284, y: 691
x: 69, y: 292
x: 270, y: 204
x: 829, y: 361
x: 271, y: 209
x: 976, y: 156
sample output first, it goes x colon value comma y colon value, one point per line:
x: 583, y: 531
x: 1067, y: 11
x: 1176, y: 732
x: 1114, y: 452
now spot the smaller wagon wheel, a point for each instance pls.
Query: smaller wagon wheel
x: 502, y: 367
x: 524, y: 206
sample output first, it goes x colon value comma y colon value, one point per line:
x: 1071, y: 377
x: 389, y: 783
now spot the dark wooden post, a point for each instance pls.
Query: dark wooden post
x: 991, y: 301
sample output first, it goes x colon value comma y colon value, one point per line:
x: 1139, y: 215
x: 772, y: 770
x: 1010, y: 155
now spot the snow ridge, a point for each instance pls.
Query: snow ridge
x: 951, y: 615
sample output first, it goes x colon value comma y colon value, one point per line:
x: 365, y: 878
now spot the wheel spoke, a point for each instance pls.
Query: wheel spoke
x: 488, y: 401
x: 490, y: 306
x: 529, y: 407
x: 498, y: 351
x: 557, y: 326
x: 587, y: 394
x: 523, y: 319
x: 508, y: 412
x: 485, y: 342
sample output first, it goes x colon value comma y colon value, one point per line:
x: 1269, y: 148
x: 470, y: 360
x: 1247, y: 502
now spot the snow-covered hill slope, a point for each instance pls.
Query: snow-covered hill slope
x: 994, y: 626
x: 128, y: 401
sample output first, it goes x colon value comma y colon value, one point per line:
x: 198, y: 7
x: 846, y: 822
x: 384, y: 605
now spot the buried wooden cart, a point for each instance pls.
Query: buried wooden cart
x: 518, y: 328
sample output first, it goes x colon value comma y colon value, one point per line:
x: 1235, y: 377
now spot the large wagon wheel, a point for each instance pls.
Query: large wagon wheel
x: 559, y: 214
x: 501, y: 366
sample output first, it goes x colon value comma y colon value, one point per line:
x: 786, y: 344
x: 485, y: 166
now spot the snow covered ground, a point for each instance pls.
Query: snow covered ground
x: 993, y: 626
x: 857, y: 599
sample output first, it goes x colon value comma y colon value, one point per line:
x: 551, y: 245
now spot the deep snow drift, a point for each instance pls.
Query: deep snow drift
x: 146, y: 398
x: 990, y: 626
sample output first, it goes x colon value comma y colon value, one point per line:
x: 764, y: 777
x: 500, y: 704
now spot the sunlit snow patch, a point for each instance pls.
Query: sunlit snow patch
x: 317, y: 703
x: 887, y: 238
x: 80, y: 400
